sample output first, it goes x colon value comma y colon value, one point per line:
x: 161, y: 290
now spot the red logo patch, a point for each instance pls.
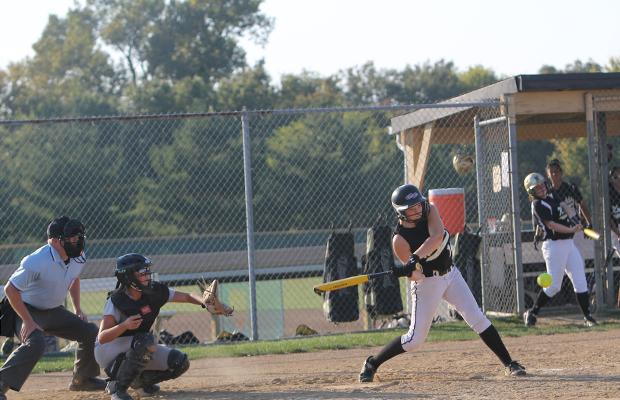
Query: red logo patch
x: 145, y: 310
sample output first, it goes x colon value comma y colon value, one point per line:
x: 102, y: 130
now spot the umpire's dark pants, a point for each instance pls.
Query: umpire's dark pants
x: 57, y: 322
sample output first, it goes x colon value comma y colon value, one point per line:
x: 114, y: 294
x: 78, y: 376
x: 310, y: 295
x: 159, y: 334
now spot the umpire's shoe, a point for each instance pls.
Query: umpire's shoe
x: 514, y: 369
x: 529, y: 318
x: 3, y: 389
x: 368, y: 371
x: 589, y: 321
x: 147, y: 391
x: 79, y: 384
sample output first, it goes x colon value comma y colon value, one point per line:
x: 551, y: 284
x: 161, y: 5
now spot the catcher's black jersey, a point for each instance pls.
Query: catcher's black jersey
x: 147, y: 306
x: 569, y: 197
x: 549, y: 209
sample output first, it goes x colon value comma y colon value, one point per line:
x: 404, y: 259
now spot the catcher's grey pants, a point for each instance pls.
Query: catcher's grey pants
x: 425, y: 298
x: 106, y: 353
x: 57, y: 322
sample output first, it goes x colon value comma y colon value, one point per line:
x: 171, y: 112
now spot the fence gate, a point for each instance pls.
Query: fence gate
x: 495, y: 205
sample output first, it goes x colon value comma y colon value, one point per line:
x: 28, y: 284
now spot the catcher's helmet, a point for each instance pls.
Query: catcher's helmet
x: 531, y: 181
x: 406, y: 196
x: 128, y: 264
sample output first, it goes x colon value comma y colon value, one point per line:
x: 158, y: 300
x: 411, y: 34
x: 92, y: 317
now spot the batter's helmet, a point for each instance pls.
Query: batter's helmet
x: 128, y: 264
x: 531, y: 181
x: 406, y: 196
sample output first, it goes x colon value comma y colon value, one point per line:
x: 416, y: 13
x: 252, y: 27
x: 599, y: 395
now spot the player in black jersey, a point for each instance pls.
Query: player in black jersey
x: 568, y: 195
x: 559, y: 251
x: 614, y: 205
x: 125, y: 347
x: 421, y: 243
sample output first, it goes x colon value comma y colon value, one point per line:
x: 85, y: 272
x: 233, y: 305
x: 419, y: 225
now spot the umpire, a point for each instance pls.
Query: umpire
x: 36, y: 292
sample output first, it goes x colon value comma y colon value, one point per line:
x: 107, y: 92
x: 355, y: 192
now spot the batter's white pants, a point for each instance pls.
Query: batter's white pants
x: 563, y: 256
x: 425, y: 298
x: 106, y: 353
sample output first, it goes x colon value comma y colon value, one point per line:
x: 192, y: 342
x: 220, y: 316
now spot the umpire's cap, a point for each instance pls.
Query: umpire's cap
x: 65, y: 227
x: 56, y: 227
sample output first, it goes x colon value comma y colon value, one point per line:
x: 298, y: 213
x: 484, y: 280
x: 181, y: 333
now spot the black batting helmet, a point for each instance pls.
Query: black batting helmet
x: 128, y: 264
x: 406, y: 196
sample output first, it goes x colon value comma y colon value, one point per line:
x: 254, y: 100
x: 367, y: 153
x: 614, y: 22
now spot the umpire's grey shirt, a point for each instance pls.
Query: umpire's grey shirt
x: 43, y: 279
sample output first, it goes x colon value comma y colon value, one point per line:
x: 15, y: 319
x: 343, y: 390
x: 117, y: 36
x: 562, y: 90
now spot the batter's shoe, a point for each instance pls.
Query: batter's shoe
x: 147, y: 391
x: 529, y: 318
x: 589, y: 321
x: 514, y: 369
x: 368, y: 371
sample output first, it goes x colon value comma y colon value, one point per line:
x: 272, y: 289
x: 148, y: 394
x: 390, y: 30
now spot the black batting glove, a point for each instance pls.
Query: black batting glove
x: 407, y: 269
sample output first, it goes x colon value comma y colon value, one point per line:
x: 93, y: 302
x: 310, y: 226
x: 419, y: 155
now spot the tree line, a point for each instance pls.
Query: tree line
x: 185, y: 57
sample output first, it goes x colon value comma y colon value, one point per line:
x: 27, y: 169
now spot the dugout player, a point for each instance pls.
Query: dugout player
x: 568, y: 195
x: 420, y: 238
x: 37, y: 291
x: 125, y: 347
x: 558, y: 248
x: 614, y: 204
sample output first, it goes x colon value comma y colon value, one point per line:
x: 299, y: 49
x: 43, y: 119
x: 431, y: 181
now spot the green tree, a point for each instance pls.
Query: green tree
x: 68, y: 75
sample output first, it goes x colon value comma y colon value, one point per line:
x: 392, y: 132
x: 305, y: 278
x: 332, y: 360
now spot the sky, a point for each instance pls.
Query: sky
x: 326, y: 36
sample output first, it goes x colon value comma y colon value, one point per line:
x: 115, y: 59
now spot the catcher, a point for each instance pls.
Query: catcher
x: 125, y: 347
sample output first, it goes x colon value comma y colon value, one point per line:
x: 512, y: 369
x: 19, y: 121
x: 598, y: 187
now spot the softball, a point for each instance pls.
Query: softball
x: 544, y: 280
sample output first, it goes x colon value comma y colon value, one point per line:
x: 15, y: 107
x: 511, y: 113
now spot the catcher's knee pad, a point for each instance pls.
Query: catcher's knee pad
x: 178, y: 363
x: 112, y: 369
x: 143, y: 344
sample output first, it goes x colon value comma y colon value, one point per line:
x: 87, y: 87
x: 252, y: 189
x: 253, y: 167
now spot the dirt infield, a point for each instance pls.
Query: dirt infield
x: 581, y: 365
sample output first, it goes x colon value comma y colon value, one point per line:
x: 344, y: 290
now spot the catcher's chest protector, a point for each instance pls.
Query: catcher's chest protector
x: 340, y: 305
x: 382, y: 295
x: 148, y: 306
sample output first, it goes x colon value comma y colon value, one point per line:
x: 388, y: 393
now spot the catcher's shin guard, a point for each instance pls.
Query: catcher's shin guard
x: 178, y: 363
x: 141, y: 352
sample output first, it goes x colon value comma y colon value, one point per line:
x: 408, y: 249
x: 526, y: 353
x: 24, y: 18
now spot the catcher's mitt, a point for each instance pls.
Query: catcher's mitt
x: 210, y: 300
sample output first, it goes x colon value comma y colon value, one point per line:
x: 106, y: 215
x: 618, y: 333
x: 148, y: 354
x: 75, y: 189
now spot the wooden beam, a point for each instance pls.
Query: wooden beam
x: 529, y: 103
x: 417, y: 153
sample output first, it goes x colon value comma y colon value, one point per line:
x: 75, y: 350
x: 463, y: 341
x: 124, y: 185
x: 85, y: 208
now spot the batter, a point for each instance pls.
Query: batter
x: 419, y: 242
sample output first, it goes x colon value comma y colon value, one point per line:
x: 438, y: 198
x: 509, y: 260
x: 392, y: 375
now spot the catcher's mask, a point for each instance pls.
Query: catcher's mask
x: 407, y: 196
x: 128, y: 265
x: 532, y: 181
x: 65, y: 229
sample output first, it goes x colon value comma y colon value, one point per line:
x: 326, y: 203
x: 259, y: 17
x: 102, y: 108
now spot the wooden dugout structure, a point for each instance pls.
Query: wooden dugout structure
x: 532, y: 107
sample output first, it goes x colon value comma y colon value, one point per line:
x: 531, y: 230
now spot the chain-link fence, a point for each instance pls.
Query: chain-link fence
x: 251, y: 198
x: 177, y: 189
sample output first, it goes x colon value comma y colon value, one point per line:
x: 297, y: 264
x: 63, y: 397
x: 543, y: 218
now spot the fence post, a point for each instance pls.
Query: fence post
x: 479, y: 187
x: 249, y: 214
x: 516, y: 208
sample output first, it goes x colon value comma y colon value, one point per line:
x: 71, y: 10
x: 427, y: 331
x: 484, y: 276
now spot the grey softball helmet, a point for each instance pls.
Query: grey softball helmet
x: 406, y: 196
x: 531, y: 181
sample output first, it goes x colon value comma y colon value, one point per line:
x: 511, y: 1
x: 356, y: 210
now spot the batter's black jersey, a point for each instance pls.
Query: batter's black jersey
x: 549, y: 209
x: 614, y: 204
x: 416, y: 236
x: 569, y: 197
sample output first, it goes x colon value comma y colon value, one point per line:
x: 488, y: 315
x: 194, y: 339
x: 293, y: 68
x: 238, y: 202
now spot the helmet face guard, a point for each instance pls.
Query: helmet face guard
x: 126, y: 268
x: 405, y: 197
x: 73, y: 228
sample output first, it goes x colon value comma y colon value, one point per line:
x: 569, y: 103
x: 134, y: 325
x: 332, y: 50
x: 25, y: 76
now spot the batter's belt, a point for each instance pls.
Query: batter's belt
x: 428, y: 272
